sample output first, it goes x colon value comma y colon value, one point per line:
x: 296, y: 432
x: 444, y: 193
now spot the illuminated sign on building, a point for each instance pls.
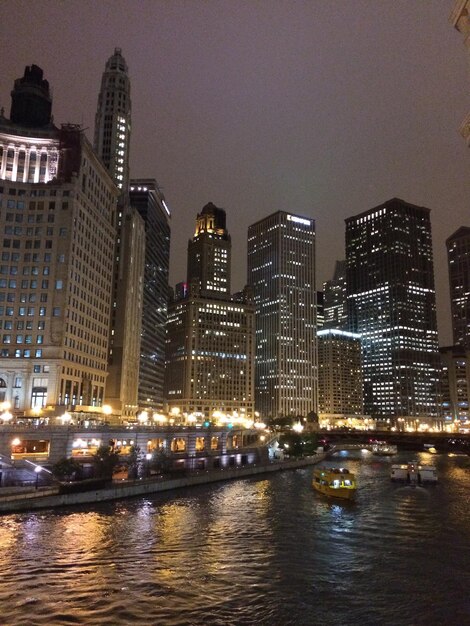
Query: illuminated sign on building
x: 298, y: 220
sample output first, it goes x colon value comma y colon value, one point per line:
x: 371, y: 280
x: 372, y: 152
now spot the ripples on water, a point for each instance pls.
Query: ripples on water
x: 248, y: 552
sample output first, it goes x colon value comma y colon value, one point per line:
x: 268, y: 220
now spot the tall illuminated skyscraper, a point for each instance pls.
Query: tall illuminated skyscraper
x: 147, y: 198
x: 390, y: 282
x: 209, y: 253
x: 281, y: 271
x: 335, y: 299
x: 112, y: 139
x: 458, y: 256
x: 210, y: 333
x: 113, y: 120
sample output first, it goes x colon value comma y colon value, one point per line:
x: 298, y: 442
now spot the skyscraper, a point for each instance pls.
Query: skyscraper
x: 455, y: 391
x: 281, y: 271
x: 112, y: 139
x: 210, y: 338
x: 113, y: 120
x: 209, y: 254
x: 147, y: 198
x: 58, y: 215
x: 390, y: 283
x: 339, y: 374
x: 458, y: 257
x: 335, y: 299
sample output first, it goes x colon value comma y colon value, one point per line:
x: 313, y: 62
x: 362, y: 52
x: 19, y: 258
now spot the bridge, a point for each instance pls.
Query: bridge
x: 340, y: 447
x: 443, y: 442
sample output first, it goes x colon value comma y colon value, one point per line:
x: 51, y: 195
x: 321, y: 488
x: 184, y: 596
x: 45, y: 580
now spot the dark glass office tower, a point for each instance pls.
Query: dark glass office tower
x: 390, y: 283
x: 147, y: 198
x: 458, y: 255
x: 281, y: 271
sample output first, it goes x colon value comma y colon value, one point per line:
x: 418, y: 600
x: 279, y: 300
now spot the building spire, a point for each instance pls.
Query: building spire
x: 113, y: 120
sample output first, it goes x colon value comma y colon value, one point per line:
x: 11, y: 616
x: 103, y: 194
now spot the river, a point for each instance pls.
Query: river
x: 249, y: 552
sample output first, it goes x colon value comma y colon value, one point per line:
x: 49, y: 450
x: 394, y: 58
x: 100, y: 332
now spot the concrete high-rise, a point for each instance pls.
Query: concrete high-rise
x: 390, y: 283
x: 113, y: 119
x: 147, y: 198
x: 281, y: 272
x: 210, y: 338
x: 458, y: 257
x: 58, y: 210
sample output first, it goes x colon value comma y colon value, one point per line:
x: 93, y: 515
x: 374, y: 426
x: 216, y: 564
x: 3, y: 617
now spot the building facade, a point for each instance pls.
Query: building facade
x: 148, y: 200
x: 281, y: 272
x: 210, y: 357
x: 112, y: 142
x: 209, y: 254
x: 390, y: 283
x: 210, y: 334
x: 458, y: 257
x: 455, y: 391
x: 339, y: 373
x: 127, y: 311
x: 335, y: 306
x: 113, y: 119
x: 58, y: 220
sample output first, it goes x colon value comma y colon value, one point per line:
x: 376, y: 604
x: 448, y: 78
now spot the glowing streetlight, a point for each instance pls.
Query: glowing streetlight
x: 66, y: 418
x: 107, y: 410
x: 6, y: 416
x: 158, y: 417
x: 38, y: 470
x: 298, y: 427
x: 143, y: 417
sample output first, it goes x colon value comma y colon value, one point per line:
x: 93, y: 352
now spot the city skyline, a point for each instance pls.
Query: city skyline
x: 260, y: 107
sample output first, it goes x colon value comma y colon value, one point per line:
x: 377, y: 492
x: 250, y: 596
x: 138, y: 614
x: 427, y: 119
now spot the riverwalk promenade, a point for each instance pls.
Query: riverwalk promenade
x: 48, y: 497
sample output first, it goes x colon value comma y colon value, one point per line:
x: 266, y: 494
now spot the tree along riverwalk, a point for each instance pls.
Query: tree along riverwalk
x: 50, y: 497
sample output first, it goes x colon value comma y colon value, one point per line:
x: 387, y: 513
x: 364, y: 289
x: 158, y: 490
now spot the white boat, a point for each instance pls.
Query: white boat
x: 384, y: 449
x: 413, y: 473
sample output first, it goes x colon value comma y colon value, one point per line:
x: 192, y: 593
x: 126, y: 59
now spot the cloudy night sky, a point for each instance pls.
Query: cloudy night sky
x: 322, y: 108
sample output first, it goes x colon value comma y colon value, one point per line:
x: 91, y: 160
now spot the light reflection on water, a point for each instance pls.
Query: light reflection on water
x: 268, y: 551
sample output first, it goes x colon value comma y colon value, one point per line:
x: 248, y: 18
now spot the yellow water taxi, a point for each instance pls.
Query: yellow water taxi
x: 335, y: 481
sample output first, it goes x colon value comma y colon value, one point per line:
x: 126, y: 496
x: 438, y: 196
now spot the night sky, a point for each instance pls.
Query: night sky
x: 324, y: 108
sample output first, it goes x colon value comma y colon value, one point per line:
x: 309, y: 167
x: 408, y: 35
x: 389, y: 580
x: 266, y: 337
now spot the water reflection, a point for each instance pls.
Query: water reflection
x: 268, y: 551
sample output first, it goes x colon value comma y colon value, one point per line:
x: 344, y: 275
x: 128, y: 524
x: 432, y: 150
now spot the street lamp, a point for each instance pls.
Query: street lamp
x: 143, y: 417
x: 38, y: 470
x: 66, y: 418
x: 6, y: 416
x: 148, y: 458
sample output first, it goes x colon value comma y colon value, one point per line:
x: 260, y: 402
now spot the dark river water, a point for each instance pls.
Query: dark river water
x: 254, y: 551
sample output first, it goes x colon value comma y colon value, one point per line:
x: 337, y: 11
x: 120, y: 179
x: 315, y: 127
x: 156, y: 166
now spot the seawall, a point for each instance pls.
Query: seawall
x: 49, y: 498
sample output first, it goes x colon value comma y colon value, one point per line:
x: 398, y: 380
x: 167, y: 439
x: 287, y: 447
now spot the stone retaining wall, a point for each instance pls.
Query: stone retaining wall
x: 50, y: 498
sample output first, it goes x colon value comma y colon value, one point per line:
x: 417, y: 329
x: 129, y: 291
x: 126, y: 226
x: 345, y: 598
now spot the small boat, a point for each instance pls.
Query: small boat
x: 413, y: 473
x: 384, y: 449
x: 334, y: 481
